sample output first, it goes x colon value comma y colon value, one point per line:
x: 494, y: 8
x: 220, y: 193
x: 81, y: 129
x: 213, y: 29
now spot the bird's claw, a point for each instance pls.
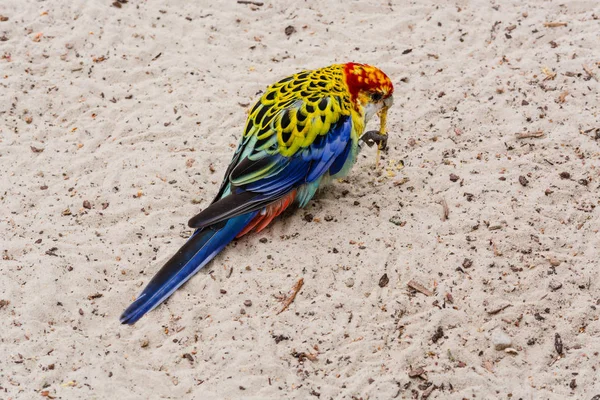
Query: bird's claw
x: 374, y: 137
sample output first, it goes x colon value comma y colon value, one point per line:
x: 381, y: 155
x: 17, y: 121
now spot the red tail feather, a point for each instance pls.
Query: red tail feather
x: 263, y: 219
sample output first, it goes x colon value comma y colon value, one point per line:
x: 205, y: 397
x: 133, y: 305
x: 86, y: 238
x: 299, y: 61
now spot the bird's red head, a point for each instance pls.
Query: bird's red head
x: 368, y: 80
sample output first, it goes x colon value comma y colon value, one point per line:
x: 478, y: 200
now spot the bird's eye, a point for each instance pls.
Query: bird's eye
x: 376, y: 96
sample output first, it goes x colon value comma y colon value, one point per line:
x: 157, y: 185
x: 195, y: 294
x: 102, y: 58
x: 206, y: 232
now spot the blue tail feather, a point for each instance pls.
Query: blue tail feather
x: 200, y: 248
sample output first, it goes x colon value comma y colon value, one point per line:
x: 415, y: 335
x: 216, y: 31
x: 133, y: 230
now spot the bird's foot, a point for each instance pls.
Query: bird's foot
x: 374, y: 137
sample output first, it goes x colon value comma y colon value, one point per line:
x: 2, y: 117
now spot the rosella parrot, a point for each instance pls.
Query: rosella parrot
x: 302, y: 132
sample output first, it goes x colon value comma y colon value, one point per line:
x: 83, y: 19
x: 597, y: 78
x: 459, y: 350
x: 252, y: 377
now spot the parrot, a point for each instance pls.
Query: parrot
x: 303, y: 132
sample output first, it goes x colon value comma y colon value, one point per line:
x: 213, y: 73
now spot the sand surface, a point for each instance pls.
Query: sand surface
x: 116, y: 126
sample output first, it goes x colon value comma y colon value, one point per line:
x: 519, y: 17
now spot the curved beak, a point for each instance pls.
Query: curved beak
x: 387, y: 103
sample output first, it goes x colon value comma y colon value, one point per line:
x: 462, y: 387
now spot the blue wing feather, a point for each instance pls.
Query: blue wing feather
x: 279, y: 175
x: 340, y: 160
x: 335, y: 144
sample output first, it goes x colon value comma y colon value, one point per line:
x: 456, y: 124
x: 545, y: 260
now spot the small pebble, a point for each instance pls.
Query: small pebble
x: 248, y: 303
x: 501, y: 340
x: 384, y: 280
x: 396, y: 220
x: 289, y: 30
x: 523, y: 181
x: 510, y: 350
x: 439, y: 333
x: 555, y: 285
x: 349, y: 282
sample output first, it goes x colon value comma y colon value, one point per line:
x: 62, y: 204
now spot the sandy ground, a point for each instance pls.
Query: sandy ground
x: 117, y: 123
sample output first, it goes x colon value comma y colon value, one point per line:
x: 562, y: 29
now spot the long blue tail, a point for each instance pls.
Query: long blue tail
x: 200, y: 248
